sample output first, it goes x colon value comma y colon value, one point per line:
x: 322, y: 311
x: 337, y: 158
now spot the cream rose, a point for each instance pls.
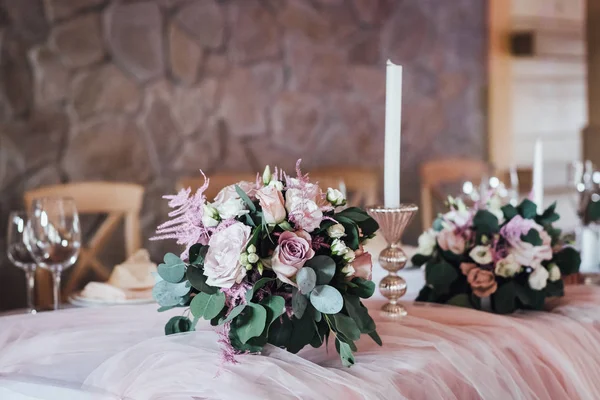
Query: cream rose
x: 507, y: 267
x: 222, y: 266
x: 336, y: 231
x: 271, y: 202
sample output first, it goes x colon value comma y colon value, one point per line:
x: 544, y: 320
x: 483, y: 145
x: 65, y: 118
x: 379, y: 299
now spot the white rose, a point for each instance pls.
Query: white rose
x: 210, y: 218
x: 349, y: 270
x: 507, y: 267
x: 335, y: 197
x: 336, y: 231
x: 304, y: 212
x: 538, y: 279
x: 554, y: 273
x: 349, y: 255
x: 481, y: 255
x: 338, y: 247
x: 222, y: 266
x: 427, y: 242
x: 231, y: 208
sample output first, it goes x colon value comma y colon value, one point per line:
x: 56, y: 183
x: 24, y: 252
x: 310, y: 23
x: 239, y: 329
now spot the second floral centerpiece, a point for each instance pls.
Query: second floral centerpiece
x: 274, y: 261
x: 511, y: 256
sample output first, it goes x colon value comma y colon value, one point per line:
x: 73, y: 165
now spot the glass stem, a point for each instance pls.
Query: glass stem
x: 30, y: 277
x: 56, y: 272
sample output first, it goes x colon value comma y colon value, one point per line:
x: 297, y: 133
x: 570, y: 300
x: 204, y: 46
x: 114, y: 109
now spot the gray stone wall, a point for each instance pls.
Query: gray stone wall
x: 148, y: 91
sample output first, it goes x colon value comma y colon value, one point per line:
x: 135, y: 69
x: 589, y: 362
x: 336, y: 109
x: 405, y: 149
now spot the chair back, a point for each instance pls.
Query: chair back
x: 450, y: 170
x: 361, y: 184
x: 217, y: 182
x: 119, y: 201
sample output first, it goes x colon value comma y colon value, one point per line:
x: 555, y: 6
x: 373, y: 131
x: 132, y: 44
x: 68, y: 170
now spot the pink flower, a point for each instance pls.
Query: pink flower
x: 525, y: 253
x: 293, y: 249
x: 229, y: 192
x: 271, y: 202
x: 303, y: 210
x: 363, y: 265
x: 222, y: 265
x: 448, y: 239
x: 482, y: 282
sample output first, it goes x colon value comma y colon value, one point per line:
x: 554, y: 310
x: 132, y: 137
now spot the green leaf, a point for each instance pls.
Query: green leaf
x: 197, y: 254
x: 165, y: 308
x: 485, y: 222
x: 306, y: 279
x: 207, y: 306
x: 302, y: 333
x: 527, y: 209
x: 363, y: 289
x: 327, y: 299
x: 354, y: 213
x: 531, y: 299
x: 556, y: 288
x: 533, y: 237
x: 359, y: 313
x: 324, y: 266
x: 299, y: 303
x: 548, y: 216
x: 195, y: 275
x: 441, y: 274
x: 352, y: 237
x: 169, y: 294
x: 255, y: 323
x: 281, y: 331
x: 234, y: 313
x: 375, y: 336
x: 568, y: 260
x: 178, y: 324
x: 318, y: 316
x: 345, y: 353
x: 173, y: 269
x: 460, y: 300
x: 275, y: 306
x: 509, y: 211
x: 419, y: 259
x: 346, y: 326
x: 438, y: 224
x: 246, y: 200
x: 257, y: 286
x: 503, y: 300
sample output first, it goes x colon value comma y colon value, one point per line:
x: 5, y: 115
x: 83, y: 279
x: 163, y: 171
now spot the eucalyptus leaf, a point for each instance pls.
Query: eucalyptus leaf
x: 345, y: 353
x: 299, y: 303
x: 306, y: 279
x: 178, y: 324
x: 245, y: 199
x: 359, y: 314
x: 255, y: 324
x: 234, y: 313
x: 169, y: 294
x: 324, y: 267
x: 206, y: 305
x: 346, y: 326
x: 173, y: 269
x: 375, y: 336
x: 327, y: 299
x: 258, y: 285
x: 197, y: 279
x: 363, y: 289
x: 275, y: 306
x: 318, y: 316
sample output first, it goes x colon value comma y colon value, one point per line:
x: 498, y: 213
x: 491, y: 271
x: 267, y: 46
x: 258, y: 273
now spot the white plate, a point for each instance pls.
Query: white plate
x: 77, y: 300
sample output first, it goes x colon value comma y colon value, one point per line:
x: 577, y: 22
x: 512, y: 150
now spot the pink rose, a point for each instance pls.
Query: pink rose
x: 525, y: 253
x: 449, y: 240
x: 304, y: 212
x: 222, y: 265
x: 229, y: 192
x: 363, y: 265
x: 482, y: 282
x: 271, y: 202
x: 292, y: 251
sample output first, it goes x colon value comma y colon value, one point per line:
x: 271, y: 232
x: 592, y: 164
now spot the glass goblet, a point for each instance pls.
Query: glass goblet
x: 18, y: 254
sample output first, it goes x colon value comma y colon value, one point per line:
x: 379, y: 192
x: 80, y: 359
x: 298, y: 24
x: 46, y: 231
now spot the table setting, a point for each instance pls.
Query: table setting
x: 283, y: 290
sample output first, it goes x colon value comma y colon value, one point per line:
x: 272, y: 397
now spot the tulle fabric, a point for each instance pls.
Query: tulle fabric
x: 437, y: 352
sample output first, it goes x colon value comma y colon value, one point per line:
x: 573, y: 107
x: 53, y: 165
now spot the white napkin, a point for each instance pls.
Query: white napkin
x: 135, y: 273
x: 103, y: 291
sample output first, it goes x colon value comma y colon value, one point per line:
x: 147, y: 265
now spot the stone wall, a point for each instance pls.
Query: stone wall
x: 148, y: 91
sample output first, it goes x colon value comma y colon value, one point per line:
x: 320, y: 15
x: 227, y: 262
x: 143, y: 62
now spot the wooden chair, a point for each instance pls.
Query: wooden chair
x: 438, y: 172
x: 118, y: 201
x: 362, y: 185
x: 217, y: 182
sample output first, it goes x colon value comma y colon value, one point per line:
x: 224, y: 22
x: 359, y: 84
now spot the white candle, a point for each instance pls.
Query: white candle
x: 393, y: 120
x: 538, y: 175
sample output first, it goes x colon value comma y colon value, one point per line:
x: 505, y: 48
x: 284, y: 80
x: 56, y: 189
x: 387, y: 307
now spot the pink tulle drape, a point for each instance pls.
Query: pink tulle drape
x: 438, y: 352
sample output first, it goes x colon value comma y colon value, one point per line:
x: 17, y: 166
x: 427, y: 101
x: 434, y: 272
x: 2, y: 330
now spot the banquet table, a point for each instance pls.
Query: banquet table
x: 436, y: 352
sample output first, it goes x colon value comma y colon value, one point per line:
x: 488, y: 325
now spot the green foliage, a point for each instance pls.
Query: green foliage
x: 359, y: 313
x: 367, y: 225
x: 346, y: 326
x: 533, y: 237
x: 275, y: 306
x: 352, y: 238
x: 195, y: 275
x: 299, y: 303
x: 568, y: 260
x: 306, y: 278
x: 509, y: 211
x: 364, y: 288
x: 485, y: 222
x: 503, y: 299
x: 375, y: 336
x: 197, y: 254
x: 169, y: 294
x: 527, y: 209
x: 327, y: 299
x: 252, y: 323
x: 440, y: 275
x: 207, y: 306
x: 345, y: 352
x: 548, y: 216
x: 324, y: 266
x: 419, y: 259
x: 173, y: 268
x: 234, y: 312
x: 178, y: 324
x: 529, y: 298
x: 460, y: 300
x: 245, y: 198
x: 258, y: 285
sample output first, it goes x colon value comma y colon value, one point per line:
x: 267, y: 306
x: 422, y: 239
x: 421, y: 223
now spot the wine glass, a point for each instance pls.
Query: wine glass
x: 53, y: 237
x: 18, y: 253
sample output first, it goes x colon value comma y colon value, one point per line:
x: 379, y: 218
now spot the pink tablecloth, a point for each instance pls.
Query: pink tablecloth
x: 435, y: 353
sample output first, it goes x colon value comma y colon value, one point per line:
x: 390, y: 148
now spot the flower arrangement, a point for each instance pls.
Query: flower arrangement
x: 511, y: 255
x: 273, y: 261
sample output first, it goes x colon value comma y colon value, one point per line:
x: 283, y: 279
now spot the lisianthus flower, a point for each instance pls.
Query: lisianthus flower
x: 482, y: 255
x: 538, y: 279
x: 507, y: 267
x: 427, y: 242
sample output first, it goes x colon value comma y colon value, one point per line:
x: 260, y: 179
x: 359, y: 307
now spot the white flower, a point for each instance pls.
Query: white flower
x: 495, y: 207
x: 231, y: 208
x: 481, y: 255
x: 251, y: 249
x: 222, y: 265
x: 210, y: 218
x: 349, y: 255
x: 252, y: 258
x: 459, y: 218
x: 335, y: 197
x: 338, y: 247
x: 507, y: 267
x: 336, y: 231
x: 538, y: 279
x: 304, y: 212
x: 427, y: 242
x: 348, y: 270
x: 277, y: 184
x: 554, y: 272
x: 244, y: 258
x: 267, y: 175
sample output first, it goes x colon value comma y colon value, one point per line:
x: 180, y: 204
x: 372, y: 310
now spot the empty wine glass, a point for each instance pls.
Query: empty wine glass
x: 18, y: 253
x: 53, y: 237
